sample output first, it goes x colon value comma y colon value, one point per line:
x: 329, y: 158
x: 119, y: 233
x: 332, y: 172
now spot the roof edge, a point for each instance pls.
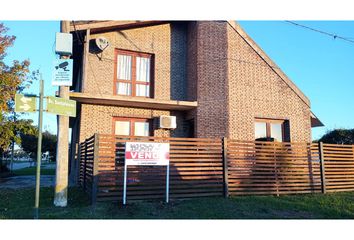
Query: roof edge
x: 267, y: 59
x: 111, y: 25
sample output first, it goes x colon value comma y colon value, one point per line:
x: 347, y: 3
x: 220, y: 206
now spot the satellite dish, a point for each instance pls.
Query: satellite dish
x: 101, y: 43
x: 98, y: 45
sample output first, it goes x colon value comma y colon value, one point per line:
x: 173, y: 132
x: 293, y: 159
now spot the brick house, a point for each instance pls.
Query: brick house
x: 209, y: 74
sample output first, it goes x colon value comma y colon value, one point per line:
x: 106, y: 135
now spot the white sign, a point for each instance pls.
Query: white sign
x: 146, y: 153
x: 64, y: 43
x: 62, y: 72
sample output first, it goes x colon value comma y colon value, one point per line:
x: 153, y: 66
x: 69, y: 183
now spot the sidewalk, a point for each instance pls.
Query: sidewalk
x: 26, y: 182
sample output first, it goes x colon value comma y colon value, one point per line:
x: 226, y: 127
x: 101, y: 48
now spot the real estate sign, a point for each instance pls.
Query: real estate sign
x: 25, y: 104
x: 61, y: 106
x: 146, y: 153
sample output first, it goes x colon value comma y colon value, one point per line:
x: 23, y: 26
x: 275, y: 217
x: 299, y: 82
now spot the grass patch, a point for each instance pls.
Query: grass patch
x: 18, y: 204
x: 31, y: 171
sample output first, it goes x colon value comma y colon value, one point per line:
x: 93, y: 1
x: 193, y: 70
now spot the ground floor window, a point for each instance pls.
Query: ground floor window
x: 271, y: 129
x: 132, y: 126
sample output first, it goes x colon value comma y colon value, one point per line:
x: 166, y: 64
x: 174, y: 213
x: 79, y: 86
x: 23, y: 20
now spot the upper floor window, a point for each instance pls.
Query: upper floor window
x: 133, y: 74
x: 270, y: 129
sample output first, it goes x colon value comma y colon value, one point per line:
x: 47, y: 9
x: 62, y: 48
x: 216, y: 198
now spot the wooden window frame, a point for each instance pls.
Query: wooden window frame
x: 133, y: 80
x: 268, y: 128
x: 132, y: 122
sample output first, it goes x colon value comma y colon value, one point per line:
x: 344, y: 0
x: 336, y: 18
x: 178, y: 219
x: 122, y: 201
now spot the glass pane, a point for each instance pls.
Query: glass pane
x: 143, y: 69
x: 124, y: 67
x: 141, y: 129
x: 124, y: 88
x: 276, y: 132
x: 122, y: 128
x: 142, y: 90
x: 260, y: 129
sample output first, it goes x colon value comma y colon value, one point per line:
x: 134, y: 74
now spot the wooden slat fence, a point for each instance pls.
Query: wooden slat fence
x: 215, y: 167
x: 272, y: 168
x: 196, y: 170
x: 86, y: 159
x: 339, y: 167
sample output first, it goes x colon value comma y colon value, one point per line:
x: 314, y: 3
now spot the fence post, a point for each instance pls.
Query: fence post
x: 225, y: 167
x: 276, y: 168
x: 84, y: 169
x: 79, y: 163
x: 323, y: 172
x: 95, y: 170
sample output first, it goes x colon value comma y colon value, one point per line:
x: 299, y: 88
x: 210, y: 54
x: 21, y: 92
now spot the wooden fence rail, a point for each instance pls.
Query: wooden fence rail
x: 215, y: 167
x: 272, y: 168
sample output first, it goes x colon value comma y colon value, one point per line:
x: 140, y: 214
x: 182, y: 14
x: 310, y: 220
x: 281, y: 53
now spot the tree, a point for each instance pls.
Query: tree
x: 338, y: 136
x: 13, y: 78
x: 49, y: 144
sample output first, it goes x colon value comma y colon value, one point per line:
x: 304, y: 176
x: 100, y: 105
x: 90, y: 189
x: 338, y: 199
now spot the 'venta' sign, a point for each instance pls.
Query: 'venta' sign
x: 146, y: 153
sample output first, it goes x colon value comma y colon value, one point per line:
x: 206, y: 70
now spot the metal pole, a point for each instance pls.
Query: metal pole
x: 168, y: 183
x: 39, y: 147
x: 125, y: 185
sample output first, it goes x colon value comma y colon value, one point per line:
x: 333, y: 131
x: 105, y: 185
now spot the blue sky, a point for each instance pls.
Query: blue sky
x: 319, y: 65
x: 322, y: 67
x: 35, y: 41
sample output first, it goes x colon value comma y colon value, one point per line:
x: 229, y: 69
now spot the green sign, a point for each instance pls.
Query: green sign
x: 61, y: 106
x: 25, y: 104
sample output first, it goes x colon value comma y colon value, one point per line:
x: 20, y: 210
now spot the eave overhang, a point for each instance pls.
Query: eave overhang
x: 315, y: 122
x: 139, y: 102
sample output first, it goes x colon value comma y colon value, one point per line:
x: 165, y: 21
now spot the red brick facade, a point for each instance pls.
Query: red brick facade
x: 211, y: 62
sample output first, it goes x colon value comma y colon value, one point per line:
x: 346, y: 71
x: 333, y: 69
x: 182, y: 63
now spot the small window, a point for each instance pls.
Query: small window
x: 270, y: 130
x: 133, y: 74
x: 132, y: 127
x: 260, y: 129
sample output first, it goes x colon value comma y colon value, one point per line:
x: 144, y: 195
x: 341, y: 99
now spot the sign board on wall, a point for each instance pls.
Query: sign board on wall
x: 62, y: 72
x: 146, y: 153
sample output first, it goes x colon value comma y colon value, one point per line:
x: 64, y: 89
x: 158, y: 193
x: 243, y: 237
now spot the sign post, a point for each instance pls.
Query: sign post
x: 55, y: 105
x: 146, y: 154
x: 39, y: 148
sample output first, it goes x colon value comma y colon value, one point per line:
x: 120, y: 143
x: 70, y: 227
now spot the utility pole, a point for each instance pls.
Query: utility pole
x: 39, y: 147
x: 62, y: 161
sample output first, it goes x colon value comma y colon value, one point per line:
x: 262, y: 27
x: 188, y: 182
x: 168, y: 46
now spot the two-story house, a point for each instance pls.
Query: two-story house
x: 209, y: 74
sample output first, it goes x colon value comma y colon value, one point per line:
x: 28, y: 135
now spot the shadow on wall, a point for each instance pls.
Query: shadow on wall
x: 178, y: 61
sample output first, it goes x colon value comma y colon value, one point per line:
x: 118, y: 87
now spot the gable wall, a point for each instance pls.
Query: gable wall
x: 255, y: 90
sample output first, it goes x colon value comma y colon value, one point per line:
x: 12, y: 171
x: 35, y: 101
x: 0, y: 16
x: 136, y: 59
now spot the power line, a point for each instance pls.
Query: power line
x: 335, y: 36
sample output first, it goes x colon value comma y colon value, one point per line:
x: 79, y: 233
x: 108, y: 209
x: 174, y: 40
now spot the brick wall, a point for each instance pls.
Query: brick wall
x: 255, y: 90
x: 205, y: 61
x: 235, y: 86
x: 167, y: 42
x: 99, y: 119
x: 212, y: 95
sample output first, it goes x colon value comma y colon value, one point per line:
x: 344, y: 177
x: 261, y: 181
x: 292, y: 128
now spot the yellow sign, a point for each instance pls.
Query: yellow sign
x: 61, y: 106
